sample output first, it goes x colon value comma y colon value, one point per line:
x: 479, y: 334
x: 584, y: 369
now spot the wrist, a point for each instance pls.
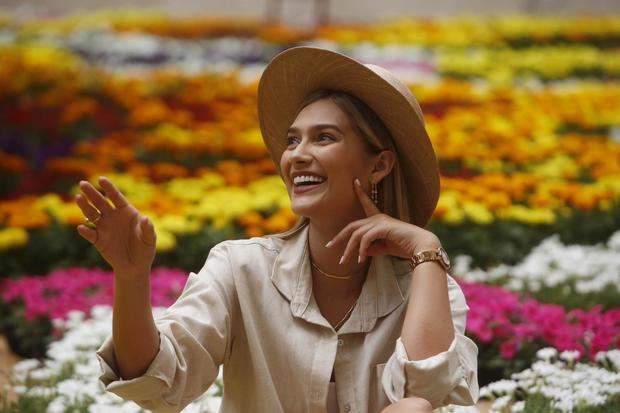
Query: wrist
x: 431, y: 254
x: 431, y: 243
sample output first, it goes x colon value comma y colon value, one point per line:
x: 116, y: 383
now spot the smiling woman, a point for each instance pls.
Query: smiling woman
x: 352, y: 310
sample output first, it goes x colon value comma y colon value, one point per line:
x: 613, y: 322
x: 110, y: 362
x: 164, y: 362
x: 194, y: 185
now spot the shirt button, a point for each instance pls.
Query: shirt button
x: 340, y: 342
x: 347, y: 408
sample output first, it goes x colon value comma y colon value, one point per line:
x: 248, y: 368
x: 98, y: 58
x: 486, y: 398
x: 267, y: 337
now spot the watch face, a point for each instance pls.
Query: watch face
x: 444, y: 257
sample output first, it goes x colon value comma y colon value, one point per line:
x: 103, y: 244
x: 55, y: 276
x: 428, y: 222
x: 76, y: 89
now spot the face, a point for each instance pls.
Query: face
x: 324, y: 155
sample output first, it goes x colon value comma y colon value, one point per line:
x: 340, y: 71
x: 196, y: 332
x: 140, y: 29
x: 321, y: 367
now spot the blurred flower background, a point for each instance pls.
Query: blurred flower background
x: 523, y: 111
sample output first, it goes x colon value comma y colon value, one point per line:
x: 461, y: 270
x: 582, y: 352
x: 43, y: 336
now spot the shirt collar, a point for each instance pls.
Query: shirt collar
x: 383, y: 291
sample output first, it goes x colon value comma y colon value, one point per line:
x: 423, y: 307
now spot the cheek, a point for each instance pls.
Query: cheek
x: 285, y: 167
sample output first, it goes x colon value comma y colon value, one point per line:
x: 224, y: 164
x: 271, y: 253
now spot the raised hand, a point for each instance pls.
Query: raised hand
x: 381, y: 234
x: 124, y: 237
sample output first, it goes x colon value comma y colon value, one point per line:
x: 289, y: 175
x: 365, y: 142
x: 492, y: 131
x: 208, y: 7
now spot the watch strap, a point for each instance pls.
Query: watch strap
x: 428, y: 255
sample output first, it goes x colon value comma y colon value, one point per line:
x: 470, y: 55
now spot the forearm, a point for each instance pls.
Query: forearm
x: 136, y: 340
x: 428, y: 329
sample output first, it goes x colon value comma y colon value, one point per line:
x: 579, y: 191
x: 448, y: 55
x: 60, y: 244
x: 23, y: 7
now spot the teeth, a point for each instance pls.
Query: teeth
x: 307, y: 178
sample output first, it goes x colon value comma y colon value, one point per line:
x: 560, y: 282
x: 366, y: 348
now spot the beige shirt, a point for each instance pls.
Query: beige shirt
x: 251, y: 309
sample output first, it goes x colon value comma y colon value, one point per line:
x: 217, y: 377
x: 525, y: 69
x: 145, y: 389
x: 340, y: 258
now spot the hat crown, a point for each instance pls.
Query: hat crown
x: 397, y: 84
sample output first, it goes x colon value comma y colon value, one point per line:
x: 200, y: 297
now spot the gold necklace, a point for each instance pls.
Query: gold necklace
x: 328, y: 275
x: 346, y: 316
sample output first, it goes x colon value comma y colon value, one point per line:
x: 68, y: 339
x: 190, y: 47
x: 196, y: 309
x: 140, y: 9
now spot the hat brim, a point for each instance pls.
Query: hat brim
x: 297, y: 72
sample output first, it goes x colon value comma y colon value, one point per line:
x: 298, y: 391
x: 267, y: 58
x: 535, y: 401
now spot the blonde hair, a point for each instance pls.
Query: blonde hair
x: 392, y: 200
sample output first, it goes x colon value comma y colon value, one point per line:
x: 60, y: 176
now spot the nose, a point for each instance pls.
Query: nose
x: 301, y: 153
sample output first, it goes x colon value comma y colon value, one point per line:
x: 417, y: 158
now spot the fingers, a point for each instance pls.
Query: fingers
x: 369, y: 207
x: 346, y: 232
x: 353, y: 246
x: 115, y: 195
x: 89, y: 234
x: 374, y: 236
x: 95, y: 197
x: 147, y: 231
x: 87, y: 209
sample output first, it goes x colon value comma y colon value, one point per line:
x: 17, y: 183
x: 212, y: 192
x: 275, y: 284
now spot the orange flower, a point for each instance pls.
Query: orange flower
x: 166, y: 170
x: 12, y: 163
x: 149, y: 112
x: 78, y: 108
x: 252, y: 219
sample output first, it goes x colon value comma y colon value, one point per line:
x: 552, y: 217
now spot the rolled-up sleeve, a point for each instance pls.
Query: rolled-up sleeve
x: 195, y: 338
x: 450, y: 377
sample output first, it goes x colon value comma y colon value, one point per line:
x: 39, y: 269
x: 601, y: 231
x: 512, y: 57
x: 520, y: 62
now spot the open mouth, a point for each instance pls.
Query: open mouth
x: 304, y: 183
x: 307, y: 180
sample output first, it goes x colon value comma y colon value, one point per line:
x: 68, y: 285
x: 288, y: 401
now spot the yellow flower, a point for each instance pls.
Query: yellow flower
x: 527, y: 215
x: 52, y: 204
x: 13, y: 238
x: 477, y: 212
x: 179, y: 224
x: 166, y: 241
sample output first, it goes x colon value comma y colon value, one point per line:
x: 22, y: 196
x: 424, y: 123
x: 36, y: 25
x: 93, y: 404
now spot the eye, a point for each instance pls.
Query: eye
x: 291, y: 141
x: 324, y: 137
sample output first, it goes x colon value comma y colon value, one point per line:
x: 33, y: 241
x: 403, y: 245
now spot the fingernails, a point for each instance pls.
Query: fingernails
x: 329, y: 244
x: 357, y: 182
x: 359, y: 259
x: 341, y: 260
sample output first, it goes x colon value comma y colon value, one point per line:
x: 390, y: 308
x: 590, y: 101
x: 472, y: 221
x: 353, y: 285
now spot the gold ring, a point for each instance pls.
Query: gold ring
x: 91, y: 224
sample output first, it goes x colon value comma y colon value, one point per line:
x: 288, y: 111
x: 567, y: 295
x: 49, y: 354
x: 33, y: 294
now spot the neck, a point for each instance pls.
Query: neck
x: 327, y: 259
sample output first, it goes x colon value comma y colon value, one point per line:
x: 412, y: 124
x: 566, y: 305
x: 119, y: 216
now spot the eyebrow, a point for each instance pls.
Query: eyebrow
x: 318, y: 127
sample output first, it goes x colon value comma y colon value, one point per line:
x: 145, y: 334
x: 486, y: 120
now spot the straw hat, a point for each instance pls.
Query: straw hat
x: 297, y: 72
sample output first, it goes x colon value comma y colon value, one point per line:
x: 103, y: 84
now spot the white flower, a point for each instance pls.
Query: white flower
x: 57, y: 406
x: 566, y: 405
x: 76, y: 349
x: 547, y: 353
x: 565, y: 385
x: 501, y: 403
x: 41, y: 374
x: 40, y: 391
x: 518, y: 407
x: 614, y: 357
x: 570, y: 356
x: 502, y: 387
x: 589, y: 268
x: 25, y: 366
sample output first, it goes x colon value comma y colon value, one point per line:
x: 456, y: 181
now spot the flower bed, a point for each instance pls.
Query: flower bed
x: 32, y: 307
x: 507, y: 327
x: 575, y: 276
x: 509, y: 330
x: 163, y: 133
x: 67, y: 380
x: 556, y: 382
x: 522, y: 111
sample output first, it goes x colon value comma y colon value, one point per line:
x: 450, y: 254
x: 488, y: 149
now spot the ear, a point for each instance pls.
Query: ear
x: 383, y: 164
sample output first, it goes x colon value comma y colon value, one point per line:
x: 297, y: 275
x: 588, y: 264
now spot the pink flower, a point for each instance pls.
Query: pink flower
x: 61, y: 291
x: 511, y: 322
x: 508, y: 349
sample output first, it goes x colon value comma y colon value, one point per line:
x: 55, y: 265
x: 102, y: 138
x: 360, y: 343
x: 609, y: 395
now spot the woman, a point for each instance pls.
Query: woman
x: 352, y: 310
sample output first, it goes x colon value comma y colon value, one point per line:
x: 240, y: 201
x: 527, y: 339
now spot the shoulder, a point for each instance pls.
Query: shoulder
x: 248, y: 256
x: 255, y: 245
x: 267, y: 245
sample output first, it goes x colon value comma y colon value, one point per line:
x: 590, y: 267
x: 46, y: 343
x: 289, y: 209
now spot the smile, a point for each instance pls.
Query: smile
x: 302, y: 188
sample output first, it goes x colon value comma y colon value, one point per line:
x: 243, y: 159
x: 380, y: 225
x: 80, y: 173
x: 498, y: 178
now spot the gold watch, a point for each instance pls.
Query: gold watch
x: 440, y: 255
